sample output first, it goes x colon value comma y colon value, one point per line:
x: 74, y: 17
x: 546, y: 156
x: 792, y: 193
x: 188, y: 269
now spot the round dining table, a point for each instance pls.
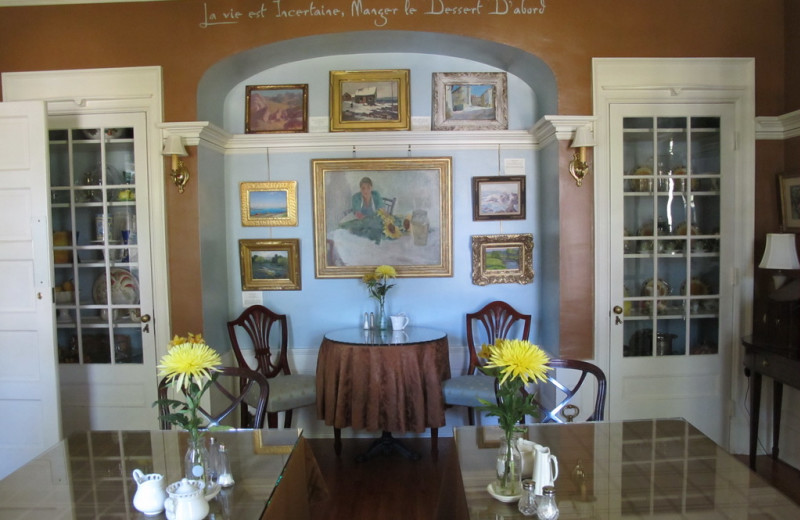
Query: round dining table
x: 383, y: 380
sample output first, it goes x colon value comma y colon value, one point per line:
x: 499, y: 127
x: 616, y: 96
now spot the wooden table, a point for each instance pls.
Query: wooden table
x: 782, y: 364
x: 382, y: 381
x: 662, y: 468
x: 88, y: 476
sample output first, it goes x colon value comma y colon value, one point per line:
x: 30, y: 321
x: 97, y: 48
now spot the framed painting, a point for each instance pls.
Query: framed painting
x: 498, y: 197
x: 276, y: 109
x: 371, y: 212
x: 502, y: 259
x: 369, y: 100
x: 789, y: 186
x: 270, y: 265
x: 470, y: 101
x: 269, y: 203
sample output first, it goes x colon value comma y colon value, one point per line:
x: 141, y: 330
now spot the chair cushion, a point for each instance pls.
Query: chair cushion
x: 466, y: 390
x: 292, y: 391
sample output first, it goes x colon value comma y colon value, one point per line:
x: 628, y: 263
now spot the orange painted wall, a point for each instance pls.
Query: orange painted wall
x: 566, y: 36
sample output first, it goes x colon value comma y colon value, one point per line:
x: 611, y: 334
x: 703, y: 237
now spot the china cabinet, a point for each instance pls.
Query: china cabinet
x: 93, y: 204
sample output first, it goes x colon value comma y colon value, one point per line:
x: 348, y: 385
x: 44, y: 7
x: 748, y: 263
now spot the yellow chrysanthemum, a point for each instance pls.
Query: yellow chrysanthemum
x: 385, y: 271
x: 368, y: 278
x: 189, y: 361
x: 518, y: 359
x: 486, y: 351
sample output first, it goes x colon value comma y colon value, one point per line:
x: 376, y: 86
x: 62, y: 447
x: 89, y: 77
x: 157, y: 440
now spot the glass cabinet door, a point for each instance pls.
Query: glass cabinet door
x: 95, y: 245
x: 671, y: 219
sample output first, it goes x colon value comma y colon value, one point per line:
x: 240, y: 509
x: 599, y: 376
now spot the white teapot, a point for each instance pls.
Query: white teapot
x: 186, y: 501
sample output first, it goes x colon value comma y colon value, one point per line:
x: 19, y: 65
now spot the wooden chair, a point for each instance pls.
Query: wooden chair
x: 388, y: 204
x: 287, y: 391
x: 495, y: 320
x: 253, y: 390
x: 562, y: 394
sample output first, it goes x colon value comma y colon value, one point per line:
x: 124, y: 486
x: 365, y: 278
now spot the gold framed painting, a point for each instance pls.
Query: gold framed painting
x: 789, y: 187
x: 270, y: 265
x: 393, y: 211
x: 268, y: 203
x: 502, y: 259
x: 470, y: 101
x: 276, y: 109
x: 369, y: 100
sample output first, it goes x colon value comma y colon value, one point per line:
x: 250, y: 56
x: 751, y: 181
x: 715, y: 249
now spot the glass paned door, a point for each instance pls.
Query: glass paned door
x: 671, y: 249
x: 95, y: 245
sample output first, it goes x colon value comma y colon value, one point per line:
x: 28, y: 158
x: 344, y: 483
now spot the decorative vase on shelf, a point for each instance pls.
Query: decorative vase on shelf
x: 509, y: 466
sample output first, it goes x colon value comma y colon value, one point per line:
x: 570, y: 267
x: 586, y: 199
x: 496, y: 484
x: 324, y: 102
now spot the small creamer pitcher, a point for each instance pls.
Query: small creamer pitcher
x: 186, y: 501
x: 545, y: 467
x: 150, y: 494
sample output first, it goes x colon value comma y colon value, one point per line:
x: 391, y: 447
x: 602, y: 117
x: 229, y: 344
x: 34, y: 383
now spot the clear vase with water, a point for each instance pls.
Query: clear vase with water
x: 509, y: 467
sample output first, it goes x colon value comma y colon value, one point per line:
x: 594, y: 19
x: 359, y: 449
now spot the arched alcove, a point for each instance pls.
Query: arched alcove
x: 219, y: 79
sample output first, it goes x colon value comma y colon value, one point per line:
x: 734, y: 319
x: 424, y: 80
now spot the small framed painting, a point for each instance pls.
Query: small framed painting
x: 498, y: 197
x: 269, y: 203
x: 369, y: 100
x: 789, y: 186
x: 470, y: 101
x: 276, y: 109
x: 270, y: 265
x: 502, y: 259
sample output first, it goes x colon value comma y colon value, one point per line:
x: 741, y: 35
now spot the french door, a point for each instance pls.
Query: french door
x: 671, y: 251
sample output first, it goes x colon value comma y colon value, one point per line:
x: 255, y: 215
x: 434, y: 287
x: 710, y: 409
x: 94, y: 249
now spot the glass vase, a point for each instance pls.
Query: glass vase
x: 381, y: 320
x: 197, y: 462
x: 509, y: 467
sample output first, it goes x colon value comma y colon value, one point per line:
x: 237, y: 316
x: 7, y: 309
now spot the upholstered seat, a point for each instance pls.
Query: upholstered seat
x: 287, y: 391
x: 494, y: 321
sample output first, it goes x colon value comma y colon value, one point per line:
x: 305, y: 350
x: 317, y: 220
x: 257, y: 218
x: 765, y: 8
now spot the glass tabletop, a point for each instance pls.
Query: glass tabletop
x: 407, y: 336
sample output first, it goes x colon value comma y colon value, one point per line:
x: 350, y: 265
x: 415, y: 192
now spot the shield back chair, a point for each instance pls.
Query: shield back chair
x: 268, y: 334
x: 494, y: 321
x: 250, y: 386
x: 562, y: 389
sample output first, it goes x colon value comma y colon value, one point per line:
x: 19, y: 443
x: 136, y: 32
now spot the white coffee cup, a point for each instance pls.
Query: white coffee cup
x: 399, y: 321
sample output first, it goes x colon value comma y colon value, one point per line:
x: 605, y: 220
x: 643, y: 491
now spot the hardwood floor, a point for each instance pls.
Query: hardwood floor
x: 391, y: 487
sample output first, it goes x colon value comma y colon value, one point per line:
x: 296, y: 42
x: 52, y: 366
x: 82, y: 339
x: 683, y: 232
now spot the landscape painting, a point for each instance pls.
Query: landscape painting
x: 502, y: 259
x: 276, y: 109
x: 270, y: 264
x: 470, y: 101
x: 269, y: 203
x: 369, y: 100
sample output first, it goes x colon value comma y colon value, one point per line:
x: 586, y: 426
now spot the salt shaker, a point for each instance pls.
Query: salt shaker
x: 366, y: 321
x: 527, y: 503
x: 224, y: 465
x: 546, y: 507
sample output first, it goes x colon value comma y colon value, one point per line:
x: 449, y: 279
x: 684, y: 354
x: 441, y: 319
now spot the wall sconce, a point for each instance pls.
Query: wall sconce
x: 578, y: 167
x: 780, y: 253
x: 173, y: 146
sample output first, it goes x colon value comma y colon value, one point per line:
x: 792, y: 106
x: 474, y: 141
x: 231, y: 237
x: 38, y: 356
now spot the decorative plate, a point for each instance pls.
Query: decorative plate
x: 663, y: 288
x: 697, y: 287
x: 643, y: 184
x: 681, y: 229
x: 502, y: 498
x: 124, y: 288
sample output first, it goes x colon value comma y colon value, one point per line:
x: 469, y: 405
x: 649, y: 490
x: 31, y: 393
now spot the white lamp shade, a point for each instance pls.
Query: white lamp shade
x: 583, y: 137
x: 173, y: 145
x: 780, y: 253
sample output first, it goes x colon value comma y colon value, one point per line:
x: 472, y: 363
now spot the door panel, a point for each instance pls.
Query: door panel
x: 28, y: 384
x: 670, y: 249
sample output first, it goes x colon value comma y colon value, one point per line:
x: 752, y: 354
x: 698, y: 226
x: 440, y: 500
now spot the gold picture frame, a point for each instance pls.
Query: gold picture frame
x: 276, y: 109
x: 407, y: 223
x: 789, y: 188
x: 470, y: 101
x: 270, y: 265
x: 502, y: 259
x: 272, y: 203
x: 369, y: 100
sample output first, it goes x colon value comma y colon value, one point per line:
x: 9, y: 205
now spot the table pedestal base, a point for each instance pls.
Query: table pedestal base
x: 387, y: 445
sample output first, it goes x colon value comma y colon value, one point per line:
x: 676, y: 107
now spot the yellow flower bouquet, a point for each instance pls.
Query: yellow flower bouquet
x: 378, y: 285
x: 513, y: 363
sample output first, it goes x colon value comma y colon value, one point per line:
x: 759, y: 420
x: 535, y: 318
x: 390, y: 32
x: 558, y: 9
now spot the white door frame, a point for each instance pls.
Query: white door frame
x: 680, y: 80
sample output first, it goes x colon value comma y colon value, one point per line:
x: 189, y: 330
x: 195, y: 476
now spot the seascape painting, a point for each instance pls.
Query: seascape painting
x: 268, y: 204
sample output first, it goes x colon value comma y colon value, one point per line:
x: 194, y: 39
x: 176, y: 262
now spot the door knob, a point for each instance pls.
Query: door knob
x: 145, y: 318
x: 617, y: 309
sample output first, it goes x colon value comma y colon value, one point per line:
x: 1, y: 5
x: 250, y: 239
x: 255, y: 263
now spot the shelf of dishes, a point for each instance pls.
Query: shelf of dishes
x: 699, y: 300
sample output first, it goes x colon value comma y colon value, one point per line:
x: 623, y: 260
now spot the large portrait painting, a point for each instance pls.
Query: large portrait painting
x: 370, y: 212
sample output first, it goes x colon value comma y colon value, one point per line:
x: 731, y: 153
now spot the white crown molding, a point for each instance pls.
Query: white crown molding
x: 543, y: 133
x: 778, y: 128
